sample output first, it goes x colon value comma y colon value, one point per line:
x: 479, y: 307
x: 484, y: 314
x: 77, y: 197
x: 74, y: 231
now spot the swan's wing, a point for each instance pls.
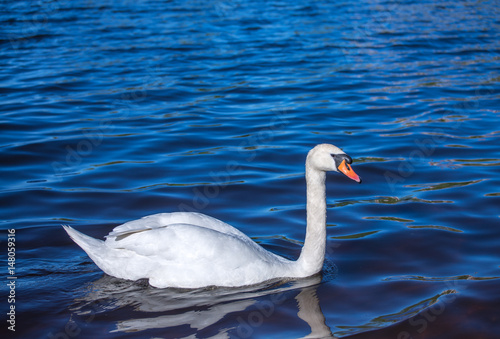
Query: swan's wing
x: 184, y: 244
x: 162, y: 220
x: 182, y: 255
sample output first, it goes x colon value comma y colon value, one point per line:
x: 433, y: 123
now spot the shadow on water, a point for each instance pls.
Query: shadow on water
x: 133, y: 307
x: 149, y: 308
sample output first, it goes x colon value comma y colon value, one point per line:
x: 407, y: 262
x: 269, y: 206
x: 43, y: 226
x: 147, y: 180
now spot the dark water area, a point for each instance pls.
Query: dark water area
x: 113, y: 110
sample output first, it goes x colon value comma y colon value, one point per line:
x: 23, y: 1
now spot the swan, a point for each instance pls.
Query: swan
x: 193, y: 250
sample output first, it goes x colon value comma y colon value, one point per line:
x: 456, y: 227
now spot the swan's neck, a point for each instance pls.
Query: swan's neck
x: 313, y: 253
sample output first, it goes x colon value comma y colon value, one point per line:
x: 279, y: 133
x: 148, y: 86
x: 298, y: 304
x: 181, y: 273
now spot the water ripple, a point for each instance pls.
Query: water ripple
x: 114, y: 110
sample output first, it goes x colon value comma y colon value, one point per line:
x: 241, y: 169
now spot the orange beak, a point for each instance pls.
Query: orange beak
x: 345, y: 168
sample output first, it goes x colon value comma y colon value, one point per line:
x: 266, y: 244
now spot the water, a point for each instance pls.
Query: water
x: 113, y: 110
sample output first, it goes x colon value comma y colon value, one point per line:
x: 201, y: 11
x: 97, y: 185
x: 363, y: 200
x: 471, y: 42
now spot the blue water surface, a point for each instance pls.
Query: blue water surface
x: 113, y: 110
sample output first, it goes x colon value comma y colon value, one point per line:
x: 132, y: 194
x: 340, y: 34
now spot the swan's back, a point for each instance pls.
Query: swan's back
x: 162, y: 220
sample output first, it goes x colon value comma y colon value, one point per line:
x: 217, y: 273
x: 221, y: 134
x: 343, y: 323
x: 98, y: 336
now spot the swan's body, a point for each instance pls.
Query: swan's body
x: 189, y: 250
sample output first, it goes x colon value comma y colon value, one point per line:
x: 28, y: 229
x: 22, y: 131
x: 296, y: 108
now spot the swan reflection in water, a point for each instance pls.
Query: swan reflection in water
x: 144, y: 307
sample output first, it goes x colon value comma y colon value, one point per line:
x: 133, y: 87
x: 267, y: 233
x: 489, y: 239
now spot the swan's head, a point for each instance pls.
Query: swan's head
x: 326, y: 157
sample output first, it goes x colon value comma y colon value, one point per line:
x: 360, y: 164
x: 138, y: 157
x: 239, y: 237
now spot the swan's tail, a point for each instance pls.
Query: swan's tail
x: 92, y: 246
x: 84, y: 241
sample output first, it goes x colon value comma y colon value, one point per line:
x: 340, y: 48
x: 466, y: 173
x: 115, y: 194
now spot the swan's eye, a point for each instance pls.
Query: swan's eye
x: 338, y: 158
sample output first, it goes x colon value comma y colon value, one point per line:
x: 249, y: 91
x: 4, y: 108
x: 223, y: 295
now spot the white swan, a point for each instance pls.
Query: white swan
x: 191, y: 250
